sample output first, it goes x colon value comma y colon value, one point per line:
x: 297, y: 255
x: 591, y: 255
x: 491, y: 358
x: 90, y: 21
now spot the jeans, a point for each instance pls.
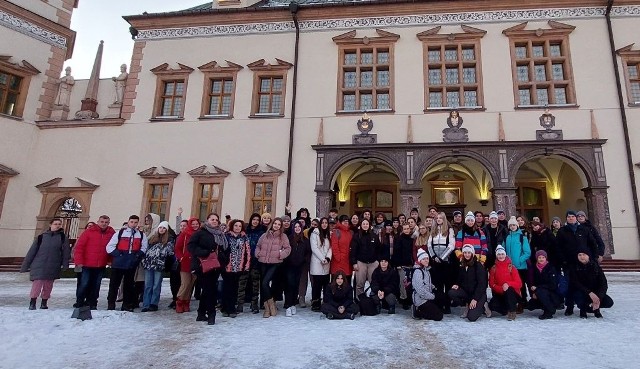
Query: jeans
x: 88, y: 289
x: 152, y: 287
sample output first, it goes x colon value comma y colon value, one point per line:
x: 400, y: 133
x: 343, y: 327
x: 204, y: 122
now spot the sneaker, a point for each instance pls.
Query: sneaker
x: 511, y: 315
x: 330, y: 316
x: 583, y: 314
x: 293, y: 310
x: 597, y: 313
x: 288, y: 313
x: 254, y: 308
x: 569, y: 311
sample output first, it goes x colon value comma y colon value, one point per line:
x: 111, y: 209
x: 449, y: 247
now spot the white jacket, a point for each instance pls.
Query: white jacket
x: 319, y: 252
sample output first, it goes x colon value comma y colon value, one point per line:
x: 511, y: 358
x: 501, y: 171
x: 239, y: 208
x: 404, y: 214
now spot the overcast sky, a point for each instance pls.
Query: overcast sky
x: 96, y: 20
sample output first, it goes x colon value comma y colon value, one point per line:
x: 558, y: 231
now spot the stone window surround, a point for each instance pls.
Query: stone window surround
x: 5, y: 175
x: 262, y: 70
x: 152, y: 177
x: 201, y: 176
x: 349, y: 42
x: 630, y: 57
x: 470, y: 37
x: 255, y: 175
x: 213, y: 71
x: 24, y: 71
x: 558, y: 33
x: 165, y: 74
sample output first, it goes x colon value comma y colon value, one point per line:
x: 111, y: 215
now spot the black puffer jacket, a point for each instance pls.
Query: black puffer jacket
x: 365, y: 247
x: 473, y: 280
x: 387, y: 281
x: 588, y: 278
x: 545, y: 278
x: 201, y: 244
x: 300, y: 251
x: 343, y: 296
x: 402, y: 250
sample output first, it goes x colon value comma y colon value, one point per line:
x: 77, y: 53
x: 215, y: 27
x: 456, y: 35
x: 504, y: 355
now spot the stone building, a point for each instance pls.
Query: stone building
x: 238, y: 106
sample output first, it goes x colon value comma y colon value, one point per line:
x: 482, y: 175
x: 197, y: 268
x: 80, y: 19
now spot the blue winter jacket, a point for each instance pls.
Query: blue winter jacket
x: 517, y: 251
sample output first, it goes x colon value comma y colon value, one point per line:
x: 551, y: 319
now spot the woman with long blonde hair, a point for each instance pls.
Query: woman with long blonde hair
x: 440, y: 245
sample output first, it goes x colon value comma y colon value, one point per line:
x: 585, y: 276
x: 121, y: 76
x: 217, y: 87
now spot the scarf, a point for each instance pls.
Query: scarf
x: 218, y: 236
x: 541, y: 266
x: 573, y: 227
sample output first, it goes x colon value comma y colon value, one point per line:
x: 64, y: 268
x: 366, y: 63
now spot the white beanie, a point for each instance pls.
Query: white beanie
x: 164, y: 224
x: 422, y: 254
x: 493, y: 214
x: 512, y: 220
x: 470, y: 216
x: 468, y: 247
x: 500, y: 249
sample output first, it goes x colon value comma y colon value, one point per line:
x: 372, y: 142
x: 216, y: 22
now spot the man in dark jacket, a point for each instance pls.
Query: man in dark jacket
x: 582, y: 219
x: 589, y: 286
x: 496, y: 233
x: 402, y: 261
x: 90, y: 254
x: 385, y: 284
x: 571, y: 238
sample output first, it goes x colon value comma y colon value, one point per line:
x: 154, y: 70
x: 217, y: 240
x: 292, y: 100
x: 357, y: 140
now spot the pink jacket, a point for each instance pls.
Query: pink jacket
x: 273, y: 247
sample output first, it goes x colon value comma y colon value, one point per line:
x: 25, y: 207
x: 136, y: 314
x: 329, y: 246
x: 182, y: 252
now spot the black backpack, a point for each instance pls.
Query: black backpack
x: 367, y: 304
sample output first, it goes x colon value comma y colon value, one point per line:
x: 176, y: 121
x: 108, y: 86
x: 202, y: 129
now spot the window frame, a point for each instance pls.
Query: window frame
x: 24, y: 71
x: 349, y: 42
x: 5, y: 176
x: 256, y: 175
x: 557, y: 34
x: 152, y: 177
x: 629, y: 56
x: 262, y: 70
x: 213, y: 71
x: 470, y: 37
x: 203, y: 175
x: 164, y: 75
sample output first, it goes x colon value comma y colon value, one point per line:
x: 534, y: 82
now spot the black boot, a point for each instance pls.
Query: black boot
x: 172, y: 305
x: 583, y: 314
x: 32, y: 304
x: 43, y: 304
x: 111, y: 305
x: 202, y: 317
x: 597, y: 313
x: 212, y: 319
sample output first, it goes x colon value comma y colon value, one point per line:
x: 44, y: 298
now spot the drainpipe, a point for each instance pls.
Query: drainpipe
x: 293, y: 8
x: 623, y: 115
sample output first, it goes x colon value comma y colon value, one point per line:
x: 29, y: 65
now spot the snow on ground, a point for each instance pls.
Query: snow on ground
x: 164, y: 339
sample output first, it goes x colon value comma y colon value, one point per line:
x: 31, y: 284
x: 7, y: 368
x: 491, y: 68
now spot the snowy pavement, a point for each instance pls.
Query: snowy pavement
x: 164, y: 339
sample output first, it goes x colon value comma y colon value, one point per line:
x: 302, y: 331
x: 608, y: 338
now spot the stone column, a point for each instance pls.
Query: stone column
x: 323, y: 203
x: 409, y: 199
x: 505, y: 199
x: 598, y: 213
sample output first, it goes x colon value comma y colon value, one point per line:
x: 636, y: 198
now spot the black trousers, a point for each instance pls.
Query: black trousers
x: 318, y: 282
x: 208, y: 297
x: 545, y: 300
x: 174, y: 282
x: 442, y: 279
x: 230, y: 292
x: 524, y: 277
x: 124, y: 276
x: 388, y: 301
x: 583, y: 301
x: 460, y: 297
x: 505, y: 302
x: 267, y: 273
x: 430, y: 311
x: 330, y: 309
x: 293, y: 274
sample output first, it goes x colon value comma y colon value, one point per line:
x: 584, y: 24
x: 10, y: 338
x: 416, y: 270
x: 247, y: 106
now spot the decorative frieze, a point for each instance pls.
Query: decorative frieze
x: 32, y: 30
x: 390, y: 21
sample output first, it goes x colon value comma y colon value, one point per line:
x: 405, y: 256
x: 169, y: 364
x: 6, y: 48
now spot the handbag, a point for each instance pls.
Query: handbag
x: 210, y: 262
x: 563, y: 284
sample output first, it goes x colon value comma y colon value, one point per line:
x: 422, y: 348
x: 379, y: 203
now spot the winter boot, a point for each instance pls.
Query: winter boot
x: 315, y: 305
x: 520, y: 308
x: 202, y: 317
x: 32, y: 304
x: 173, y: 304
x: 545, y: 316
x: 212, y: 319
x: 487, y: 311
x: 465, y: 311
x: 111, y: 305
x: 267, y: 310
x: 254, y: 308
x: 294, y: 311
x: 583, y: 314
x: 187, y: 305
x: 303, y: 303
x: 43, y: 304
x: 239, y: 309
x: 569, y: 311
x: 511, y: 315
x: 272, y: 307
x: 330, y: 316
x: 288, y: 312
x: 597, y: 313
x: 392, y: 309
x: 179, y: 306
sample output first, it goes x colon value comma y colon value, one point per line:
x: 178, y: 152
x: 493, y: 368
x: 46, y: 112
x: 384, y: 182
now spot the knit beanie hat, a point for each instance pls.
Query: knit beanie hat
x: 285, y: 218
x: 556, y: 218
x: 164, y: 224
x: 579, y: 213
x: 469, y: 248
x: 457, y: 212
x: 500, y: 250
x: 493, y: 214
x: 570, y: 212
x: 512, y: 220
x: 470, y: 216
x: 541, y: 252
x: 422, y: 254
x: 501, y: 212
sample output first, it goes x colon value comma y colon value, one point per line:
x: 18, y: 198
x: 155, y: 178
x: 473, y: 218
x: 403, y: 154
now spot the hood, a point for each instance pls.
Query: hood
x: 155, y: 221
x: 506, y: 261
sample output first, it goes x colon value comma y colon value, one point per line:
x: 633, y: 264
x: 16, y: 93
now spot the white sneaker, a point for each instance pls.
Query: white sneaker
x: 293, y: 310
x: 288, y: 312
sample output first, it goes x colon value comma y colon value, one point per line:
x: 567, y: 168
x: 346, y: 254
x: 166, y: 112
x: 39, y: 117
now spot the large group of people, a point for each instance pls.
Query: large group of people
x: 363, y: 263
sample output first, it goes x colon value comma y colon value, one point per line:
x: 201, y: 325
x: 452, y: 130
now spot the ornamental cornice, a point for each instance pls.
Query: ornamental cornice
x: 32, y: 30
x: 390, y: 21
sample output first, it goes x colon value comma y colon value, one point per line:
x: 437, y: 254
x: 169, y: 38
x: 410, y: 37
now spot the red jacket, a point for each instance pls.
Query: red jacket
x: 182, y: 253
x: 340, y: 247
x: 504, y: 272
x: 91, y: 247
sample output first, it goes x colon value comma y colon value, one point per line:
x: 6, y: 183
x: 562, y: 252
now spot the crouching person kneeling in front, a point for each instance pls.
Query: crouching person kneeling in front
x: 544, y: 287
x: 338, y: 299
x: 505, y: 284
x: 385, y: 286
x: 471, y: 288
x: 589, y: 286
x: 424, y: 306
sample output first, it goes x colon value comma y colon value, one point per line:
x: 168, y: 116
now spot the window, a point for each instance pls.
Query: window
x: 208, y: 185
x: 365, y: 67
x: 631, y: 65
x: 219, y: 90
x: 541, y: 66
x: 14, y: 85
x: 269, y: 87
x: 262, y: 185
x: 5, y: 175
x: 452, y: 69
x: 158, y: 186
x: 171, y: 92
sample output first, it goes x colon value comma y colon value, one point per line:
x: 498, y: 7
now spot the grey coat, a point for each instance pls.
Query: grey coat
x: 422, y: 287
x: 44, y: 262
